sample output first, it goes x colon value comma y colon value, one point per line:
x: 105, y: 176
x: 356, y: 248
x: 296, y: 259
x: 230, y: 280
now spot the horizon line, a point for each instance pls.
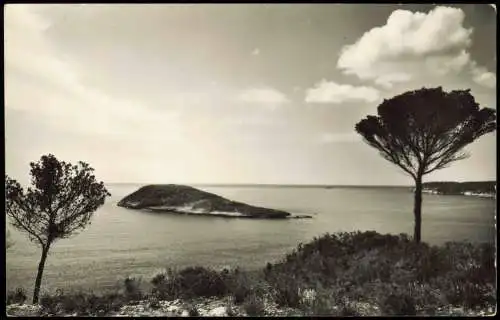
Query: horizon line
x: 297, y: 185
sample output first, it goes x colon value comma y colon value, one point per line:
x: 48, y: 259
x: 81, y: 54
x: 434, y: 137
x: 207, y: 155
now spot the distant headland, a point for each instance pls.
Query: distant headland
x: 485, y: 189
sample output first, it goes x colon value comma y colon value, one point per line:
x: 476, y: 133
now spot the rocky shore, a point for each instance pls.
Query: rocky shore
x: 216, y: 307
x: 211, y: 307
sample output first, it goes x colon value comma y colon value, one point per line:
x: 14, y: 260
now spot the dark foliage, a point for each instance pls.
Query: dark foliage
x: 370, y: 267
x: 132, y: 289
x: 239, y: 285
x: 16, y: 296
x: 286, y: 289
x: 189, y: 282
x: 254, y: 306
x: 399, y: 305
x: 425, y: 130
x: 193, y: 312
x: 82, y: 304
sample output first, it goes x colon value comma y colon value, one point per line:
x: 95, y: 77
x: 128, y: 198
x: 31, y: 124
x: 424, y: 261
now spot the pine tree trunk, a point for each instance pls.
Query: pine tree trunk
x: 38, y: 281
x: 417, y: 210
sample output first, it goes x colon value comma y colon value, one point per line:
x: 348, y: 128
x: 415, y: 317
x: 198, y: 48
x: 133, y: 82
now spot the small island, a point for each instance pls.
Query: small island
x: 486, y: 189
x: 181, y: 199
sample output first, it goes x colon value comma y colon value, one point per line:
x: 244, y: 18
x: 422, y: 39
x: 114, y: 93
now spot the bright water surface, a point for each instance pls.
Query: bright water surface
x: 122, y: 242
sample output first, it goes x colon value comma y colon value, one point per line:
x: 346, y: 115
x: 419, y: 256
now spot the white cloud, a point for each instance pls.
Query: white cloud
x: 256, y: 52
x: 42, y: 82
x: 483, y: 77
x: 331, y: 92
x: 262, y: 95
x: 411, y: 45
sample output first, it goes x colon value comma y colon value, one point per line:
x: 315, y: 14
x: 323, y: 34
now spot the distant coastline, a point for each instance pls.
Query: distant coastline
x: 485, y: 189
x: 256, y: 185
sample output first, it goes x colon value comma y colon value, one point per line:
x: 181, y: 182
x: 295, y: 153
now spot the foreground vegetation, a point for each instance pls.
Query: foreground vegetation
x: 360, y: 273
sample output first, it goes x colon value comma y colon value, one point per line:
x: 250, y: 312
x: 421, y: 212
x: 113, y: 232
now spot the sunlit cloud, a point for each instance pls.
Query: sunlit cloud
x: 331, y: 92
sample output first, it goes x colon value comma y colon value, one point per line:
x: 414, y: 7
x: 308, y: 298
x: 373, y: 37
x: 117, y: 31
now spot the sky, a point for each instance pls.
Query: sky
x: 234, y: 93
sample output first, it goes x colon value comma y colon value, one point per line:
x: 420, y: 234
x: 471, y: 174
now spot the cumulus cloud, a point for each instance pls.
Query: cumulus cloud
x: 412, y: 44
x: 331, y: 92
x: 263, y: 96
x: 483, y: 77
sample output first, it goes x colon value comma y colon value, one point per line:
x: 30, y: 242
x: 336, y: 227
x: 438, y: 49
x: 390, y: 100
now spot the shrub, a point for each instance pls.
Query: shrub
x: 193, y: 312
x: 317, y: 303
x: 154, y: 303
x: 80, y: 303
x: 239, y: 286
x: 16, y: 296
x: 367, y: 266
x: 254, y: 306
x: 73, y: 302
x: 230, y: 311
x: 99, y: 305
x: 287, y: 291
x: 399, y: 305
x: 189, y: 283
x: 50, y: 303
x: 348, y: 310
x: 230, y: 308
x: 132, y: 289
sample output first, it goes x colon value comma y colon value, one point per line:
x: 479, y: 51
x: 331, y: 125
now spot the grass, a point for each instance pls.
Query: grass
x: 358, y: 273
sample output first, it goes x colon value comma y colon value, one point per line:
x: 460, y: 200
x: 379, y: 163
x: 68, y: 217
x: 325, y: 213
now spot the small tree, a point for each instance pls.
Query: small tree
x: 425, y: 130
x: 61, y: 203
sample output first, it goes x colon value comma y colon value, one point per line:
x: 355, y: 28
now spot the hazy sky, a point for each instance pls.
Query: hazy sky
x: 234, y: 93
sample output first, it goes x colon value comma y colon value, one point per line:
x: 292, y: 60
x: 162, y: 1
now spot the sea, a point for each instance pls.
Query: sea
x: 122, y: 243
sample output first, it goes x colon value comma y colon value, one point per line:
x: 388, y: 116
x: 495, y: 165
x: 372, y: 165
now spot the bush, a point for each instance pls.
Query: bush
x: 287, y: 292
x: 317, y: 303
x: 100, y: 305
x: 254, y: 306
x: 239, y: 286
x: 193, y: 312
x: 132, y: 289
x: 154, y: 303
x: 52, y: 304
x: 80, y: 303
x: 16, y: 296
x: 399, y: 305
x: 393, y: 272
x: 230, y: 310
x: 347, y: 310
x: 189, y: 283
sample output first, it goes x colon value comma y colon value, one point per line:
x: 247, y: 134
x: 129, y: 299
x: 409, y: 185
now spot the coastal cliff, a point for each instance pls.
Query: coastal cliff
x: 183, y: 199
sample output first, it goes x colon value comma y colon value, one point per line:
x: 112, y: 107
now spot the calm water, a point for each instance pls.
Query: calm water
x: 122, y: 242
